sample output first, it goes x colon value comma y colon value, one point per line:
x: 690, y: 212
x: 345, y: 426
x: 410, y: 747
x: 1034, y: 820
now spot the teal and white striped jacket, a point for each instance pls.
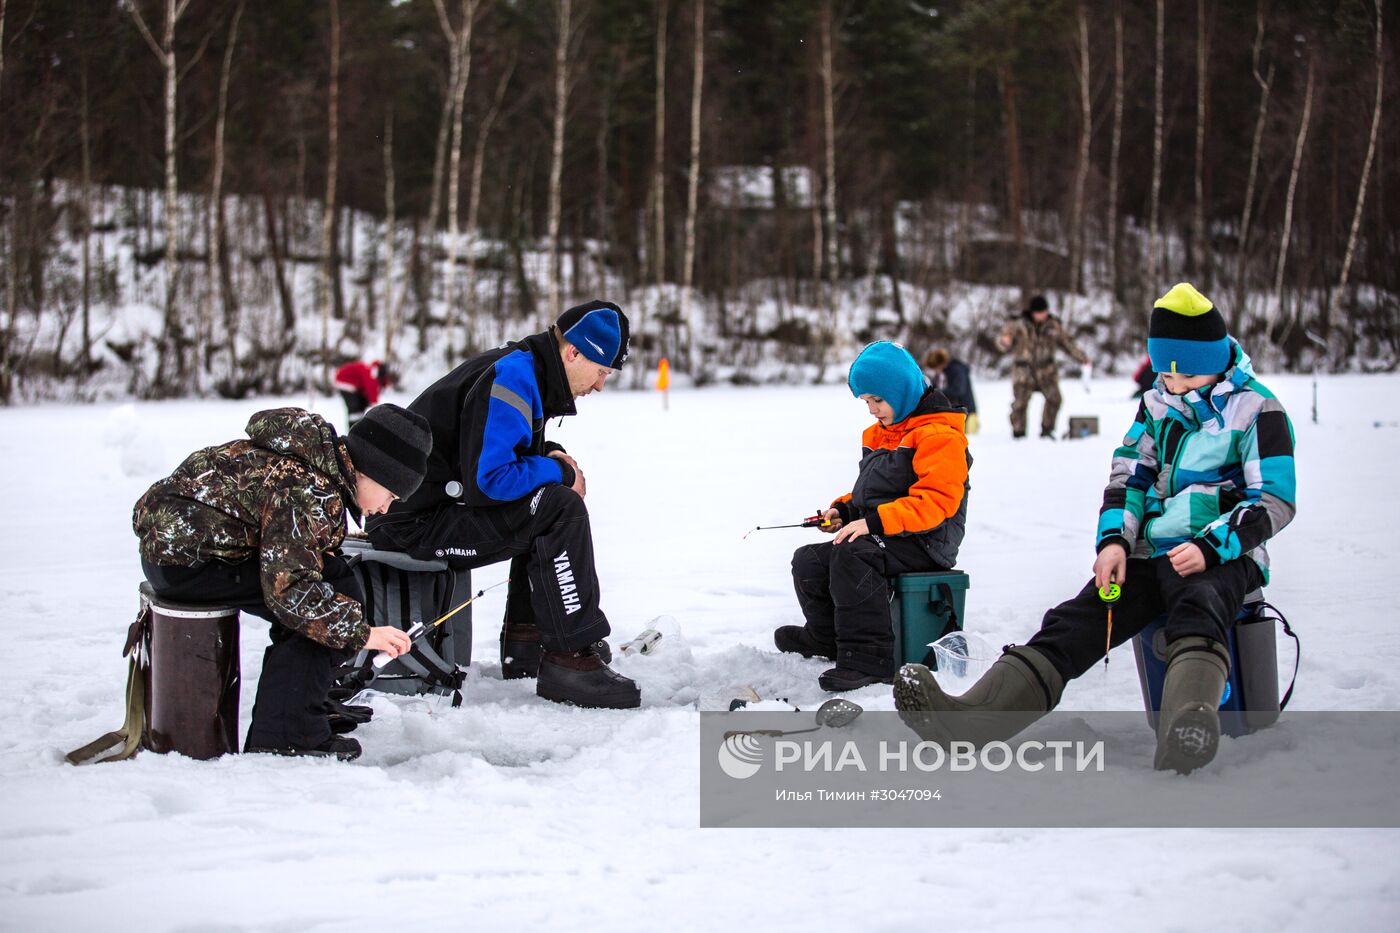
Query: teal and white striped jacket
x: 1216, y: 469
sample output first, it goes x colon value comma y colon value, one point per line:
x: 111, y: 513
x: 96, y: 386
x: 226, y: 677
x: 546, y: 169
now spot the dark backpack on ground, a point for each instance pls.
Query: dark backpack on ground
x: 402, y: 591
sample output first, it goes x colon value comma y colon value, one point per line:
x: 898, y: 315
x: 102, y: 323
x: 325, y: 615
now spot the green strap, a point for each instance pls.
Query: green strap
x: 129, y: 735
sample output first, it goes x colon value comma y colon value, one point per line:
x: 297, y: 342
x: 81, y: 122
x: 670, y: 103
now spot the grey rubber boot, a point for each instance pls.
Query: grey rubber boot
x: 1188, y: 727
x: 1019, y: 688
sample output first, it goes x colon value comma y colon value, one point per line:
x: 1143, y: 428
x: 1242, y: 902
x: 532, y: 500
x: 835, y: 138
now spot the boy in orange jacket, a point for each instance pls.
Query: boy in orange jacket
x: 906, y: 514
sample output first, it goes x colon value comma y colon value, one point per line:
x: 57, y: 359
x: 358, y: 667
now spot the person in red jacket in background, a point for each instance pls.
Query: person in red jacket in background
x: 1144, y: 377
x: 359, y: 384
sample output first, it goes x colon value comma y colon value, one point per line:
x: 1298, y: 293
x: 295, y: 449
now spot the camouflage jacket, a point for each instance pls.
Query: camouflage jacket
x: 280, y: 496
x: 1034, y: 344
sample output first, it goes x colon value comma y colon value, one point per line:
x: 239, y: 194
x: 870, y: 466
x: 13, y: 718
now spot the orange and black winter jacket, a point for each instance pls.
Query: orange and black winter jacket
x: 914, y: 478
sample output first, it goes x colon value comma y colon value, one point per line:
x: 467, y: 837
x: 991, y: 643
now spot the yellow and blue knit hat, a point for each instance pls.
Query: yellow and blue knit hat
x: 1187, y: 334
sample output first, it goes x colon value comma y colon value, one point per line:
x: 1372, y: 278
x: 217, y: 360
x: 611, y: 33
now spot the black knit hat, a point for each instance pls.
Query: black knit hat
x: 599, y: 329
x: 390, y: 445
x: 1038, y: 303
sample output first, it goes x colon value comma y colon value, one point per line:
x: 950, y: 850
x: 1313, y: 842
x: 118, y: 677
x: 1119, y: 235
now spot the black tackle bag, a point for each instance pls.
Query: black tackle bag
x: 402, y: 591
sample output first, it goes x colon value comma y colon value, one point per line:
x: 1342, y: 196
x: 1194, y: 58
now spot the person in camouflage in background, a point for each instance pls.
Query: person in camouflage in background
x: 255, y: 524
x: 1032, y: 338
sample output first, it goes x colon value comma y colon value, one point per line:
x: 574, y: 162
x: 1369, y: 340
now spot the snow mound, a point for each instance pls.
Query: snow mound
x: 140, y: 451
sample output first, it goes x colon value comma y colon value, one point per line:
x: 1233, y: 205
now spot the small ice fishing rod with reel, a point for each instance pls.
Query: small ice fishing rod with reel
x: 811, y: 521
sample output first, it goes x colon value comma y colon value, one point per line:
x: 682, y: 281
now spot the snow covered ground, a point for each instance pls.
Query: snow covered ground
x: 514, y: 812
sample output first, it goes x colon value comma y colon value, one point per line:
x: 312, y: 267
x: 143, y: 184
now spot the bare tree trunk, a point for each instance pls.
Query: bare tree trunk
x: 1365, y: 171
x: 1013, y: 170
x: 328, y: 251
x: 172, y: 333
x: 3, y: 5
x: 829, y: 136
x: 1265, y: 82
x: 1276, y: 302
x: 658, y: 178
x: 886, y: 208
x: 415, y: 279
x: 7, y: 346
x: 1076, y: 231
x: 279, y: 271
x: 1115, y: 148
x: 602, y: 220
x: 391, y: 308
x: 216, y: 202
x: 1154, y: 272
x: 478, y: 165
x: 520, y: 178
x: 173, y: 328
x: 1200, y: 252
x: 970, y: 171
x: 556, y: 161
x: 692, y: 191
x: 435, y: 199
x: 460, y: 42
x: 86, y: 184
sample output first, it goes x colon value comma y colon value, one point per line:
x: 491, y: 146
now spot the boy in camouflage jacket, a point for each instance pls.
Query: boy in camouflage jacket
x: 255, y: 524
x: 1203, y: 479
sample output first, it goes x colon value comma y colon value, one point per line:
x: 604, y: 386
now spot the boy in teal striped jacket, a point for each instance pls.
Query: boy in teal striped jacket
x: 1203, y: 479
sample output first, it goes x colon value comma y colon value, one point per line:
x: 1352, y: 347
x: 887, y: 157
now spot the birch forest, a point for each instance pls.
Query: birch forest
x: 230, y: 197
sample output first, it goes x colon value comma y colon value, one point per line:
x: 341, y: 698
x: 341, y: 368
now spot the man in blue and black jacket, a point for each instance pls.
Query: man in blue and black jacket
x: 496, y: 489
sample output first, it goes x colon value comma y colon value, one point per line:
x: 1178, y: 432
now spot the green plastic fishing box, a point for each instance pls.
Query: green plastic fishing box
x: 924, y: 608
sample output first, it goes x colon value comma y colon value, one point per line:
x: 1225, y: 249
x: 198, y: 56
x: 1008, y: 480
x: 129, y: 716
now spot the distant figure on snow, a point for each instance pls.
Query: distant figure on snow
x: 953, y: 378
x: 1032, y: 338
x: 360, y: 383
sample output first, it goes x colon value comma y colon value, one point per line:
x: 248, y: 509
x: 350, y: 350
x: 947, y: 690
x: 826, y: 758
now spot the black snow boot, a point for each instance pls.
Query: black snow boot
x: 334, y: 747
x: 583, y: 678
x: 842, y: 679
x: 1019, y: 688
x: 521, y: 650
x: 1188, y: 727
x: 795, y: 639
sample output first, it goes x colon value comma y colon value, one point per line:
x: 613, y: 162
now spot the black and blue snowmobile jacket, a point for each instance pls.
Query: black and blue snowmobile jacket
x: 488, y: 417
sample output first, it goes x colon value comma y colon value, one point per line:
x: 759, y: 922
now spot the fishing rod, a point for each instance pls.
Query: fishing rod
x: 1109, y: 593
x: 811, y: 521
x: 416, y: 630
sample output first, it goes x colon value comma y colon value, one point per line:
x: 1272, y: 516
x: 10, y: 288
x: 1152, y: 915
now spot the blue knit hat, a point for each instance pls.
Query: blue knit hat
x: 599, y: 329
x: 886, y: 369
x: 1186, y: 334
